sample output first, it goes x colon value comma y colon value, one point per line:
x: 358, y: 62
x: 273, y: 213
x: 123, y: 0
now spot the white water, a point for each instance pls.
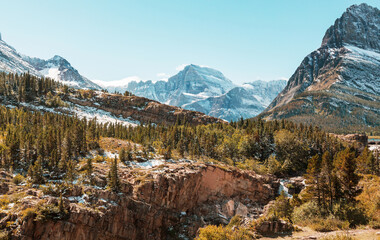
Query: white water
x: 282, y: 187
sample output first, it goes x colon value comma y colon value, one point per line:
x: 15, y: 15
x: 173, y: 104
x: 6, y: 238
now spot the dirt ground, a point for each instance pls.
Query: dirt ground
x: 309, y: 234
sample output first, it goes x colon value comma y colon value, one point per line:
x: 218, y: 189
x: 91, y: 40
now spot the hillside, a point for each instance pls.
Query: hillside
x: 46, y: 95
x: 337, y: 86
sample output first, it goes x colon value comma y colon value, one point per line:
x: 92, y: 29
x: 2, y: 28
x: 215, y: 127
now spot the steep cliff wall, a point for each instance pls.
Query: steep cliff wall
x: 162, y: 204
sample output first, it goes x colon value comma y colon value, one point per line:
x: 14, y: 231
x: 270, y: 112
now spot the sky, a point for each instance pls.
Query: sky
x: 110, y: 40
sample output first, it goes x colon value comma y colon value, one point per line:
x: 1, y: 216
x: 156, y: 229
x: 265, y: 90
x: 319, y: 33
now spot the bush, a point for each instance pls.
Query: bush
x: 28, y: 213
x: 4, y: 201
x: 51, y: 189
x: 305, y: 212
x: 213, y: 232
x: 49, y: 212
x: 18, y: 179
x: 281, y: 207
x: 327, y: 224
x: 235, y: 221
x: 354, y: 214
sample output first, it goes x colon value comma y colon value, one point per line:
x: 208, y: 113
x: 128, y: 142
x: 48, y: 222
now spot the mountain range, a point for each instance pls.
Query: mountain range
x: 194, y: 88
x: 205, y: 90
x: 337, y: 86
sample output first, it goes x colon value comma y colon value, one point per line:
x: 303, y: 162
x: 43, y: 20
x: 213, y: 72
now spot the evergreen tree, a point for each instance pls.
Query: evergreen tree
x: 71, y: 172
x: 345, y: 165
x: 327, y: 180
x: 313, y: 178
x: 35, y: 172
x: 123, y: 155
x: 89, y: 171
x: 113, y: 177
x: 366, y: 162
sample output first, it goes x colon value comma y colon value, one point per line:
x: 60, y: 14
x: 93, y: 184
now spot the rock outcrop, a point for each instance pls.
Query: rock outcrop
x: 165, y: 203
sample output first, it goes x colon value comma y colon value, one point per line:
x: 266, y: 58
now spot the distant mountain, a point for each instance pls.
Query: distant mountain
x: 338, y: 85
x: 205, y: 90
x: 56, y: 68
x: 61, y: 70
x: 194, y: 88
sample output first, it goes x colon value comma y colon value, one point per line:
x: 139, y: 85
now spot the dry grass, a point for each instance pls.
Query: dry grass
x: 115, y: 145
x: 370, y: 198
x: 339, y: 237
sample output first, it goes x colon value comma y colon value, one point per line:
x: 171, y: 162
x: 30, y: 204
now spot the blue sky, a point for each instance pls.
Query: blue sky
x: 112, y: 40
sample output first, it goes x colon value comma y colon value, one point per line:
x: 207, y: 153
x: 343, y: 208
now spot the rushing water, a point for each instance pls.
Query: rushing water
x: 283, y: 187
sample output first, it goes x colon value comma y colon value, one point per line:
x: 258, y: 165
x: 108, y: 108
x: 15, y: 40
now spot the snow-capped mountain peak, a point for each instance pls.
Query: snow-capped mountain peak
x: 358, y: 26
x: 206, y: 90
x: 337, y: 86
x: 12, y: 62
x: 56, y: 67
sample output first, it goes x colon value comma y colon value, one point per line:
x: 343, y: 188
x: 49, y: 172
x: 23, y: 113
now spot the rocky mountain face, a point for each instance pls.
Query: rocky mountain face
x: 60, y: 69
x: 12, y: 62
x: 56, y: 68
x: 169, y: 202
x: 206, y: 90
x: 338, y: 85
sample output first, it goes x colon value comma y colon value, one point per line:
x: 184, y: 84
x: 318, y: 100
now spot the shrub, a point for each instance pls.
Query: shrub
x: 212, y: 232
x: 305, y: 212
x: 281, y: 207
x: 235, y: 221
x: 18, y: 179
x: 4, y: 201
x: 50, y: 189
x: 28, y: 213
x: 50, y: 212
x: 353, y: 213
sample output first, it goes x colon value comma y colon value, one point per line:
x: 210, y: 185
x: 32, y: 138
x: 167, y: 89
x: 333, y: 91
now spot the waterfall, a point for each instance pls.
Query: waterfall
x: 282, y: 187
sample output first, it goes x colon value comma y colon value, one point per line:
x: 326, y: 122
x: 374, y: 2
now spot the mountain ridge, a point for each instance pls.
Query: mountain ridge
x: 206, y: 90
x: 57, y: 67
x: 338, y: 79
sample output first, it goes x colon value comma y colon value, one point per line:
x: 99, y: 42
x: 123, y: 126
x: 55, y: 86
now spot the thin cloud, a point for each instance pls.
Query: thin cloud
x: 181, y: 67
x: 163, y: 76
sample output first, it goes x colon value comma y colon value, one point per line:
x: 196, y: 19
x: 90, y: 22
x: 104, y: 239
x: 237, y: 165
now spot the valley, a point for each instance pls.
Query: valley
x: 195, y: 156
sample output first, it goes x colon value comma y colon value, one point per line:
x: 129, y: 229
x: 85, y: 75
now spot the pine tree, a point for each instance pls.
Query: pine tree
x: 89, y: 171
x: 71, y: 172
x: 282, y: 207
x: 122, y: 155
x: 366, y: 162
x: 327, y: 179
x: 313, y: 178
x: 345, y: 164
x: 35, y: 172
x: 113, y: 177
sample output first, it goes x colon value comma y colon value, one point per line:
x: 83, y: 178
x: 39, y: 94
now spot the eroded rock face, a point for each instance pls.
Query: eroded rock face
x: 358, y: 26
x: 172, y: 202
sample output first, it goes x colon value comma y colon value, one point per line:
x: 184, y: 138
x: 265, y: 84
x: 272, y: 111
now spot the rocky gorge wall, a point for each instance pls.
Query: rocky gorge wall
x: 169, y: 203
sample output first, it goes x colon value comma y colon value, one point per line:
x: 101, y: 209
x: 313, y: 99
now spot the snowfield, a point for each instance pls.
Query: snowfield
x: 84, y: 112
